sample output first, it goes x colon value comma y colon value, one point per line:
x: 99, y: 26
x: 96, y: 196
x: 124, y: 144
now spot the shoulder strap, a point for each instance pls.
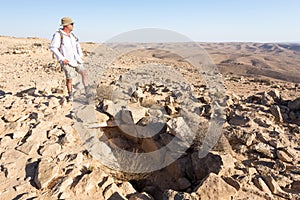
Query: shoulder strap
x: 76, y: 38
x: 61, y: 41
x: 61, y: 37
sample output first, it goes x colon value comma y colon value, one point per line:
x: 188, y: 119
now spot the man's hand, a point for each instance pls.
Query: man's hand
x: 65, y: 62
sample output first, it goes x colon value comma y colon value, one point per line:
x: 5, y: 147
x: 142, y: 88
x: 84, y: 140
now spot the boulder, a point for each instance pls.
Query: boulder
x: 295, y: 104
x: 214, y: 187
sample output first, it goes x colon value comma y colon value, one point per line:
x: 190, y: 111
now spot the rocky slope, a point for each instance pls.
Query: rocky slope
x: 43, y: 156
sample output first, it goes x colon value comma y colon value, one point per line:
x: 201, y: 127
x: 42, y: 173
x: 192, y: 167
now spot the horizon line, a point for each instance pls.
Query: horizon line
x: 225, y: 41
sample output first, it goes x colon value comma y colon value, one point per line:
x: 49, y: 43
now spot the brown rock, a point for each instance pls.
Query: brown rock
x: 239, y: 121
x: 203, y: 166
x: 45, y: 173
x: 150, y: 144
x: 248, y: 138
x: 183, y: 183
x: 295, y: 104
x: 214, y: 187
x: 275, y: 110
x: 141, y: 196
x: 180, y: 129
x: 39, y: 133
x: 101, y: 117
x: 104, y: 91
x: 117, y: 196
x: 138, y: 112
x: 148, y: 101
x: 28, y: 147
x: 51, y: 150
x: 119, y: 142
x: 296, y: 186
x: 267, y: 100
x: 282, y: 155
x: 108, y: 107
x: 87, y: 186
x: 53, y: 102
x: 264, y: 149
x: 172, y: 195
x: 138, y: 94
x: 2, y: 127
x: 274, y: 187
x: 232, y: 182
x: 127, y: 189
x: 13, y: 115
x: 112, y: 190
x: 275, y: 94
x: 171, y: 110
x: 260, y: 184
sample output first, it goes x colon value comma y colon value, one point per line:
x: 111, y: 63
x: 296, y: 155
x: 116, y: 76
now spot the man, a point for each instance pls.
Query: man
x: 68, y: 52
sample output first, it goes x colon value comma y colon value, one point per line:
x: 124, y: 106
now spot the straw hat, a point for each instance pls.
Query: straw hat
x: 66, y: 21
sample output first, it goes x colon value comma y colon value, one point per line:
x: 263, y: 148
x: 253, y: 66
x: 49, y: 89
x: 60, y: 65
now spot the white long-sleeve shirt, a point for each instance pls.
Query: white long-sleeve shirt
x: 70, y: 48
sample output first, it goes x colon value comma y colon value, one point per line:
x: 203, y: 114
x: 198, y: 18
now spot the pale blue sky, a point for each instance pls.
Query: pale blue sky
x: 200, y: 20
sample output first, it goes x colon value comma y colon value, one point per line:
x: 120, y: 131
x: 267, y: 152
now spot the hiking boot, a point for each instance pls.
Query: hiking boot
x: 88, y: 93
x: 70, y: 98
x: 87, y: 89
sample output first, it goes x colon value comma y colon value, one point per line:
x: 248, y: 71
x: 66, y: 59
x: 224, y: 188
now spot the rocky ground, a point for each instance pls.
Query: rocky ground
x: 44, y: 156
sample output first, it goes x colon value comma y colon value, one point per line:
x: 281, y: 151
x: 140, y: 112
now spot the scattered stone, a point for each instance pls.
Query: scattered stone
x: 260, y: 184
x: 248, y: 138
x: 232, y: 182
x: 28, y: 148
x: 111, y: 190
x: 51, y: 150
x: 149, y: 145
x: 275, y: 188
x: 180, y: 129
x: 104, y: 92
x: 296, y: 186
x: 127, y: 189
x: 171, y: 194
x: 148, y: 102
x: 45, y: 173
x: 202, y: 166
x: 184, y: 183
x: 117, y: 196
x: 239, y: 121
x: 275, y: 94
x: 141, y: 196
x: 282, y: 155
x: 295, y: 104
x: 138, y: 112
x: 264, y: 149
x: 275, y: 110
x: 214, y: 187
